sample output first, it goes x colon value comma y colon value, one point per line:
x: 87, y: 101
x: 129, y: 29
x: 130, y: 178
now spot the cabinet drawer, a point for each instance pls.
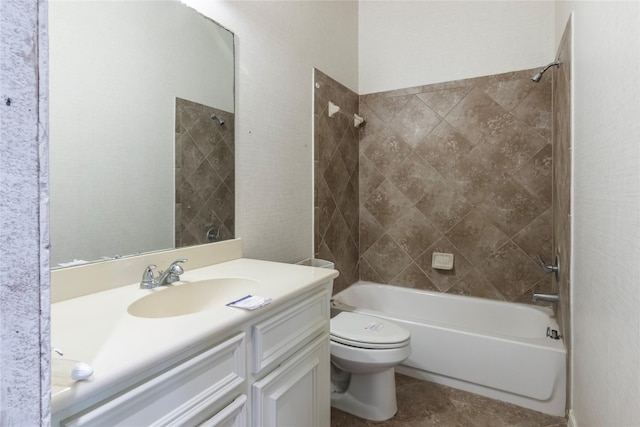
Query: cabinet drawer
x: 186, y: 394
x: 234, y: 415
x: 282, y: 334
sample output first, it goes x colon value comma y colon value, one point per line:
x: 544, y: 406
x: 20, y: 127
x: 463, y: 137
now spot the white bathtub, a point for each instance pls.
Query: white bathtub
x: 492, y: 348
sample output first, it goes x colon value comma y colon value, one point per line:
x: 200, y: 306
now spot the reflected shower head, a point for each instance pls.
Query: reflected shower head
x: 214, y: 117
x: 536, y: 78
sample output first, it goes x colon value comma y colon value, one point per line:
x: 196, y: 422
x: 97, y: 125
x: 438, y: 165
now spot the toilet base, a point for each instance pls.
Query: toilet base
x: 369, y: 396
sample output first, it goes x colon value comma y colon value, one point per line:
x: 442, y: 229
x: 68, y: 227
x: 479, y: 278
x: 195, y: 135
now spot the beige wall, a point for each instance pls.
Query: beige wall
x: 605, y: 272
x: 411, y: 43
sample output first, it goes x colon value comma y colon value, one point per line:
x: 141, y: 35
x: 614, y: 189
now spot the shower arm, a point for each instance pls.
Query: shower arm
x: 536, y: 78
x: 556, y: 63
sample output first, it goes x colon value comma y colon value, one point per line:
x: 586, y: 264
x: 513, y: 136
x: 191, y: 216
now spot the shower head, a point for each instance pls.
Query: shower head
x: 536, y: 78
x: 214, y: 117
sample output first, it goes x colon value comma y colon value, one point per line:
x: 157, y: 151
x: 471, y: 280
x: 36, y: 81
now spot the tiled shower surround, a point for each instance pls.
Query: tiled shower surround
x: 205, y: 173
x: 336, y: 179
x: 462, y: 167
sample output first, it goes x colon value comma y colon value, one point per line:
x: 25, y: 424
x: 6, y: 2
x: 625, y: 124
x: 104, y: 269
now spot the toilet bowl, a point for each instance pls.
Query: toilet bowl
x: 364, y: 352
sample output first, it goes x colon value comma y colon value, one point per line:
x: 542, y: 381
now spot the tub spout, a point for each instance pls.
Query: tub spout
x: 546, y: 297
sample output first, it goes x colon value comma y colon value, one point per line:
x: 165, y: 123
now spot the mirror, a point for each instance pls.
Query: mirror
x: 141, y: 129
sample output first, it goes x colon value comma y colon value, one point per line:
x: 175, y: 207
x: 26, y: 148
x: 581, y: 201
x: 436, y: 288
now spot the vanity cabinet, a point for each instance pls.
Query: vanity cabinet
x: 234, y: 415
x: 291, y: 365
x: 187, y: 394
x: 273, y: 370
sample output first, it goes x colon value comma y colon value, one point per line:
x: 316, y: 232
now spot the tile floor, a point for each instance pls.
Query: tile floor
x: 421, y: 403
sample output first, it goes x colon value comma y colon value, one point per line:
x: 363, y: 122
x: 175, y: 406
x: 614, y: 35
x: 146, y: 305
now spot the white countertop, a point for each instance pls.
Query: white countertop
x: 98, y: 330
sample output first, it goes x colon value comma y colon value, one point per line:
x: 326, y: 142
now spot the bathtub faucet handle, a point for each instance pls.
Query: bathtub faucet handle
x: 550, y: 268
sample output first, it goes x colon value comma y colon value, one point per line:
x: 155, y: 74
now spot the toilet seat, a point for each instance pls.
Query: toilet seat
x: 362, y: 331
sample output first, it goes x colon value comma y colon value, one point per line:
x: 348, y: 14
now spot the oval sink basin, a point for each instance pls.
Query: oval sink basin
x: 192, y: 297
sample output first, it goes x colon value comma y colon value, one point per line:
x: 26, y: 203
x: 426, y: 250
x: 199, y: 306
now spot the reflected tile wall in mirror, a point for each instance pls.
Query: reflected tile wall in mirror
x: 205, y: 174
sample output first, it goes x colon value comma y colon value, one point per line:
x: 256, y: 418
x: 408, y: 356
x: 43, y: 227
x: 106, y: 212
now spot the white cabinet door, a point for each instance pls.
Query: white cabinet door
x: 297, y: 392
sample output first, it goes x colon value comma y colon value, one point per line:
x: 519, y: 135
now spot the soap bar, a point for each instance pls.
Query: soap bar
x: 250, y: 302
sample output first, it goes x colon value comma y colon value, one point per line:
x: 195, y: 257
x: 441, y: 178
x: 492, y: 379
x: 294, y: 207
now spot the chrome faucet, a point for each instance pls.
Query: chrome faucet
x: 171, y: 274
x: 546, y: 297
x: 550, y: 268
x: 148, y: 281
x: 166, y: 277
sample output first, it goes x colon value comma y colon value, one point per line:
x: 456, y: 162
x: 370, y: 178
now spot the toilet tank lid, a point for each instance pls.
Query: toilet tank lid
x: 367, y: 329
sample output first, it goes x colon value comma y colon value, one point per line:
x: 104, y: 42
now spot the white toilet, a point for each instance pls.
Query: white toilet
x: 364, y: 352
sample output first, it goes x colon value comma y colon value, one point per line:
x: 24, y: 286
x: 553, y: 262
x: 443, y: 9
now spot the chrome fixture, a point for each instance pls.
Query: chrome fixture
x: 536, y: 78
x: 553, y: 334
x: 214, y: 117
x: 550, y: 268
x: 213, y: 234
x: 546, y: 297
x: 171, y: 274
x: 332, y: 109
x: 148, y: 281
x: 166, y: 277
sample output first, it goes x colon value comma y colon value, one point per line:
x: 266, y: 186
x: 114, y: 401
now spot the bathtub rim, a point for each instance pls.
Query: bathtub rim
x: 541, y: 340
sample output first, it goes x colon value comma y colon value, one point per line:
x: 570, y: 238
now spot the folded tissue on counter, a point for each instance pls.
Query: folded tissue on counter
x: 250, y: 302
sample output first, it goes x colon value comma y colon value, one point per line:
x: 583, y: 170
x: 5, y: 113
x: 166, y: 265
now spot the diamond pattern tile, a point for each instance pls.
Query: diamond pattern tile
x: 387, y: 204
x: 415, y: 121
x: 387, y: 258
x: 476, y: 165
x: 205, y: 173
x: 512, y: 207
x: 337, y: 181
x: 414, y: 233
x: 462, y: 167
x: 414, y: 178
x: 443, y: 101
x: 511, y: 271
x: 477, y: 116
x: 387, y: 151
x: 476, y: 236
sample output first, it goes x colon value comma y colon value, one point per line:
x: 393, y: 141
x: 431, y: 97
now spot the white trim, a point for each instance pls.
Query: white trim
x: 571, y: 421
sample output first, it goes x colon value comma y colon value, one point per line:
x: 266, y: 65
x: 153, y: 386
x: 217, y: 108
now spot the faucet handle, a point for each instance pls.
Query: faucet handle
x: 148, y: 281
x: 175, y: 268
x: 550, y: 268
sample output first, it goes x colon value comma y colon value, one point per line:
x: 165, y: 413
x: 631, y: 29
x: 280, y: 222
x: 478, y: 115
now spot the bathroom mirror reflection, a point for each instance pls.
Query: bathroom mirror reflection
x: 141, y: 129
